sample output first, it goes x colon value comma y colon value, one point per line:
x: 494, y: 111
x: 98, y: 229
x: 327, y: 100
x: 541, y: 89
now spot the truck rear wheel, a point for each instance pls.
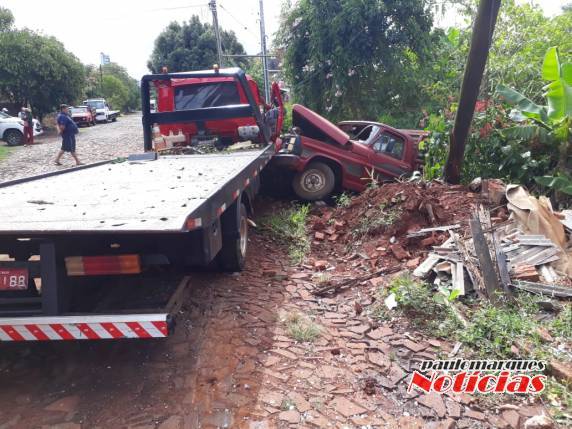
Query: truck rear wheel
x: 13, y: 137
x: 316, y: 182
x: 232, y: 256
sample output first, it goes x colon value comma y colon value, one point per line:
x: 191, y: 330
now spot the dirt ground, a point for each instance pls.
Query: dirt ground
x: 98, y: 143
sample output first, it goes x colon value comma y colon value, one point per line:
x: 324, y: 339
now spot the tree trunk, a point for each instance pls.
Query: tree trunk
x: 481, y: 39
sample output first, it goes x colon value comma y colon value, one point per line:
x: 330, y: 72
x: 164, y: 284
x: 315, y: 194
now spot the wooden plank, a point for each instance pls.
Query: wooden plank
x: 427, y: 265
x: 485, y: 261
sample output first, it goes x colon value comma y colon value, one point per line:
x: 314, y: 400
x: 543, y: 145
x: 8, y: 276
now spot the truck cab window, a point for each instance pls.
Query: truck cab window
x: 389, y: 144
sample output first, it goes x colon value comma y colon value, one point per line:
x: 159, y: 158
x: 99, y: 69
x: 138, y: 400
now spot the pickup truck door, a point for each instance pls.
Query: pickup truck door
x: 388, y: 155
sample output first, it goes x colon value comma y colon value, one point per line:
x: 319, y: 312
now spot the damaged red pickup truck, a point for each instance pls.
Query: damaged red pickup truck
x: 326, y: 157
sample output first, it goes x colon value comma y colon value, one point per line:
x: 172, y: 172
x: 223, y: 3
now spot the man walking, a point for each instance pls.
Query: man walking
x: 67, y: 129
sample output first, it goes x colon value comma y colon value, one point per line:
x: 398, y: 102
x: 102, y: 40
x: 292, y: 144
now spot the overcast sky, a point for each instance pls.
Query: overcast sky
x: 126, y: 29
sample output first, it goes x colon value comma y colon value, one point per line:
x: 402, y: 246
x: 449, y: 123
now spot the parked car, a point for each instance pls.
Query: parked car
x: 102, y: 109
x: 12, y: 129
x: 325, y: 157
x: 83, y: 115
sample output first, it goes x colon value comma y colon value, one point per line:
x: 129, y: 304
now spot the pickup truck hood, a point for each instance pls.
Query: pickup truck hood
x: 314, y: 125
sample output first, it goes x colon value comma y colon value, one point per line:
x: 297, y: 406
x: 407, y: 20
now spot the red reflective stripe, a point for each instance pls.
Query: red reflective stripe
x: 87, y: 331
x: 62, y: 332
x: 138, y: 329
x: 161, y: 326
x: 12, y: 333
x: 37, y: 332
x: 110, y: 327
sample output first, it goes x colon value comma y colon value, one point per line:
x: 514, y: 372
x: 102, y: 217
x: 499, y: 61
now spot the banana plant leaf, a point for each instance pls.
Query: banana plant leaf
x: 559, y: 90
x: 528, y: 107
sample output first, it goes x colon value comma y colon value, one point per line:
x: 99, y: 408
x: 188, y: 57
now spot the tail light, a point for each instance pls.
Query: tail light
x: 102, y: 265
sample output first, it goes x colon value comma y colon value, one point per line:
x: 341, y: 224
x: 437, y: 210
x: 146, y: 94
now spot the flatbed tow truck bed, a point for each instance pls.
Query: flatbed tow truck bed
x: 127, y: 197
x: 84, y: 252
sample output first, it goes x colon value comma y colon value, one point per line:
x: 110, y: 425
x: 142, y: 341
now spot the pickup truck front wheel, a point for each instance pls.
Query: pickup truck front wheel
x: 232, y: 256
x: 13, y: 137
x: 316, y: 182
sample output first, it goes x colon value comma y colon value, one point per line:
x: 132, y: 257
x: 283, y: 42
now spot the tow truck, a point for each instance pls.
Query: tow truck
x: 81, y: 247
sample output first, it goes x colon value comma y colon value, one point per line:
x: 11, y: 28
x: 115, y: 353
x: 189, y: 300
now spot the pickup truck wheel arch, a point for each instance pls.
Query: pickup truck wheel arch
x: 315, y: 182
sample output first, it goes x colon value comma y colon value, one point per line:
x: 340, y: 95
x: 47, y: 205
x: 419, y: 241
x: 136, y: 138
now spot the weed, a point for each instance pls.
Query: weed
x: 561, y: 326
x: 420, y: 305
x: 287, y: 405
x: 493, y: 329
x: 289, y: 225
x: 301, y: 328
x: 321, y: 278
x: 376, y: 218
x: 343, y: 200
x: 559, y: 397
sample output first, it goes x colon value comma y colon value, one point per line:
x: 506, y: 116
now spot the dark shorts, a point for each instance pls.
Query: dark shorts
x: 68, y: 143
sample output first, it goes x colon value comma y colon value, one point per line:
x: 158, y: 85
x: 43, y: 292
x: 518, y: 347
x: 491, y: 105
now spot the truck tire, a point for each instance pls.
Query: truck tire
x: 232, y: 255
x: 316, y: 182
x: 114, y: 119
x: 13, y: 137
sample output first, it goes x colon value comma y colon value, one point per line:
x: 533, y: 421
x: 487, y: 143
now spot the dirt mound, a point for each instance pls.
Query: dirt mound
x: 377, y: 221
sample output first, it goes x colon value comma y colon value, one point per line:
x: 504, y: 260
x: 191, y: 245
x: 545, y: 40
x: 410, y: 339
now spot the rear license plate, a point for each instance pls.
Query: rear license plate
x: 13, y: 279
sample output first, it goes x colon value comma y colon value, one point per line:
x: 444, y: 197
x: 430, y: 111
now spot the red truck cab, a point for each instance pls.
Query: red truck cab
x: 213, y: 92
x: 347, y: 156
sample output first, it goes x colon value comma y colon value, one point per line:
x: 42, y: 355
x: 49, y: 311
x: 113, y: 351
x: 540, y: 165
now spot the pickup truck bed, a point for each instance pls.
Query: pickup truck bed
x: 127, y: 197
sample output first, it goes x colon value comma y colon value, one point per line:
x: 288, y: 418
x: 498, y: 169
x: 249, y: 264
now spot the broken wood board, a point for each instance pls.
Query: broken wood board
x: 486, y: 266
x: 543, y: 289
x: 427, y: 265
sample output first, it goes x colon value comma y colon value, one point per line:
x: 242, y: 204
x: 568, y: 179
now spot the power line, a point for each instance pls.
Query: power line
x: 244, y: 26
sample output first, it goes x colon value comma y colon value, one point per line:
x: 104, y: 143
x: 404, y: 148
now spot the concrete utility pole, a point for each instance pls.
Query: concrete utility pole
x: 481, y: 39
x: 264, y: 57
x: 212, y: 5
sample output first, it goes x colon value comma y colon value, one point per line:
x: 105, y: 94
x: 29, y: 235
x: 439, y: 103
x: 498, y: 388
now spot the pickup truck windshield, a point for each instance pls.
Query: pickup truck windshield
x: 78, y: 110
x: 198, y: 96
x: 96, y: 104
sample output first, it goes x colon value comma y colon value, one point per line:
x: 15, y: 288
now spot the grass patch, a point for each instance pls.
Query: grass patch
x: 343, y: 200
x: 375, y: 220
x: 4, y: 152
x: 493, y: 330
x: 289, y: 225
x: 301, y: 328
x: 561, y: 326
x: 424, y: 309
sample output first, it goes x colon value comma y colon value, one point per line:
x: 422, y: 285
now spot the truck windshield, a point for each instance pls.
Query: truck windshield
x: 78, y: 110
x: 96, y: 104
x: 198, y: 96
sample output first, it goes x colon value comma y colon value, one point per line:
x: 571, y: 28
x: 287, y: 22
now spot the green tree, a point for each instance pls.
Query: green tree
x: 93, y: 85
x: 344, y: 58
x: 6, y: 19
x: 191, y: 46
x: 521, y: 38
x: 36, y: 69
x: 115, y: 92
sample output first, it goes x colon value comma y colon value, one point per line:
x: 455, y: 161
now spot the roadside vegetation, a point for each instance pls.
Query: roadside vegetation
x: 288, y: 226
x: 4, y: 152
x: 301, y: 327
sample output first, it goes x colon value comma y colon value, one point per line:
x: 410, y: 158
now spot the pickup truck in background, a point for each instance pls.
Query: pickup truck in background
x: 12, y: 129
x: 326, y: 158
x: 102, y: 111
x: 83, y: 115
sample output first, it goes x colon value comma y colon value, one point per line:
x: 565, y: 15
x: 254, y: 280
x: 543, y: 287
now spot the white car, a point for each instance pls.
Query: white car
x: 12, y: 129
